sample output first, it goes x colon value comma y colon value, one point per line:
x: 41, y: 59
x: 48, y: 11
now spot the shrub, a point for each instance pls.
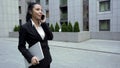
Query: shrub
x: 76, y: 27
x: 69, y: 27
x: 57, y: 27
x: 16, y: 28
x: 52, y: 28
x: 64, y: 27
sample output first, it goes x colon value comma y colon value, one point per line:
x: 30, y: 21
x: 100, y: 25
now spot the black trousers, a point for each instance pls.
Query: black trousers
x: 40, y: 66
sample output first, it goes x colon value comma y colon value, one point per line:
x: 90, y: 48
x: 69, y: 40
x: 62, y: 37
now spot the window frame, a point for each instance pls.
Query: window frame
x: 104, y: 21
x: 105, y: 3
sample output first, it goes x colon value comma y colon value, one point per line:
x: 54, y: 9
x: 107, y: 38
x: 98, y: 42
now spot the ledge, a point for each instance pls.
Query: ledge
x: 14, y: 34
x: 71, y: 36
x: 63, y: 36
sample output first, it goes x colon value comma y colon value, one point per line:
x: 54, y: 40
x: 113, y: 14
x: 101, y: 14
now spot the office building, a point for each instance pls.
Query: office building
x: 104, y: 19
x: 8, y: 16
x: 99, y: 17
x: 23, y: 4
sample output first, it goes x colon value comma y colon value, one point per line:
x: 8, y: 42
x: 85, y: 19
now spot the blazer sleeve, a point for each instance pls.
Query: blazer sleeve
x: 22, y: 43
x: 47, y: 31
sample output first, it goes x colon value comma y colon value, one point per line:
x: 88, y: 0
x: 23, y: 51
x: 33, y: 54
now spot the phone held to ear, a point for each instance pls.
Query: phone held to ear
x: 42, y: 17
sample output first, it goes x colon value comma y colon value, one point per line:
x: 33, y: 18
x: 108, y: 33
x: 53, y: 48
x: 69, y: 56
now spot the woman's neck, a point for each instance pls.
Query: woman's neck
x: 36, y: 22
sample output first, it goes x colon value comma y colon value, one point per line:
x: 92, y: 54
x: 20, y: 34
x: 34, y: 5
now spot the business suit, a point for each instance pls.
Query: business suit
x: 29, y: 34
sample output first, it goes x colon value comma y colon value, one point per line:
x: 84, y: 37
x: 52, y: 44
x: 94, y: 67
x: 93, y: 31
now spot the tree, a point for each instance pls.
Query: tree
x: 69, y: 27
x: 57, y: 27
x: 52, y: 28
x: 64, y: 27
x: 76, y: 27
x: 16, y: 28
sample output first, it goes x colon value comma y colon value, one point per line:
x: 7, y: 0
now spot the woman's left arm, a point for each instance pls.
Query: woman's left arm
x: 47, y: 31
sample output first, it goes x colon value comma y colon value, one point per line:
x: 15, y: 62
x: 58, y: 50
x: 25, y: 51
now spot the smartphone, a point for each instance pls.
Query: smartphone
x: 42, y: 17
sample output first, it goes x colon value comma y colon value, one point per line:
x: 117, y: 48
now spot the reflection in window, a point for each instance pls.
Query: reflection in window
x: 104, y: 25
x: 104, y: 5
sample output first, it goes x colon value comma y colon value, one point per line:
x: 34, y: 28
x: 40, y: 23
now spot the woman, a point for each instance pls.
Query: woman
x: 35, y: 30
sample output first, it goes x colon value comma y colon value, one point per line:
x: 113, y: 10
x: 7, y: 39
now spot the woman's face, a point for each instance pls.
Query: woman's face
x: 37, y: 12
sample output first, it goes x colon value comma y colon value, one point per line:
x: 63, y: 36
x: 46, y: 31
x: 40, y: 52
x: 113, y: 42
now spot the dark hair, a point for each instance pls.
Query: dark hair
x: 30, y: 7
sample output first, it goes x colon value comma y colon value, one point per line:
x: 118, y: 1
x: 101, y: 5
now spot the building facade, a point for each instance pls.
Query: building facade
x: 64, y: 11
x: 99, y: 17
x: 23, y: 4
x: 8, y: 16
x: 104, y: 19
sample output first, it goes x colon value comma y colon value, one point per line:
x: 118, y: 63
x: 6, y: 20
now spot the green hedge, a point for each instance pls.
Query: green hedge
x: 66, y: 27
x: 52, y: 28
x: 57, y: 27
x: 70, y: 27
x: 16, y: 28
x: 76, y: 27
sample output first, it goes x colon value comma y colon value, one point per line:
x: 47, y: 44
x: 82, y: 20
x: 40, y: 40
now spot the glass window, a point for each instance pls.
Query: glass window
x: 104, y: 5
x: 47, y: 14
x: 37, y: 1
x: 63, y: 2
x: 20, y: 22
x: 20, y: 11
x: 47, y: 2
x: 104, y: 25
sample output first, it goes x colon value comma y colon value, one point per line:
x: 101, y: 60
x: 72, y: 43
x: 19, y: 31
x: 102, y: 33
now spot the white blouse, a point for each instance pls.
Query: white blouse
x: 39, y: 30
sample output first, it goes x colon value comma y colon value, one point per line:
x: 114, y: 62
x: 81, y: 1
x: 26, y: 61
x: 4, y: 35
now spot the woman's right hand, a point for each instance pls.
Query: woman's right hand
x: 34, y: 60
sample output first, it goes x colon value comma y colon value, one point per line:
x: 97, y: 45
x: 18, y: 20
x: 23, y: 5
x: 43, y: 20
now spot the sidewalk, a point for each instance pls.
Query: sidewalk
x: 106, y: 46
x: 88, y: 54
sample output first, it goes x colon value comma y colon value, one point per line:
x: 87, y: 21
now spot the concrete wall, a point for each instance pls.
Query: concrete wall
x: 9, y: 16
x: 13, y: 34
x: 75, y: 12
x: 105, y: 35
x: 71, y: 36
x: 23, y: 5
x: 54, y: 11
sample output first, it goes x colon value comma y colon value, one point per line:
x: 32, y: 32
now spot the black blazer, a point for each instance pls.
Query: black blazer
x: 29, y: 34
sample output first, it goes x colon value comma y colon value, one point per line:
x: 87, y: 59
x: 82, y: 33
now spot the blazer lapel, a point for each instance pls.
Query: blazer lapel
x: 34, y: 31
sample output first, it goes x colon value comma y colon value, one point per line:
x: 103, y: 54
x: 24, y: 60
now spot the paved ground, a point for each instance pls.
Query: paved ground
x: 88, y: 54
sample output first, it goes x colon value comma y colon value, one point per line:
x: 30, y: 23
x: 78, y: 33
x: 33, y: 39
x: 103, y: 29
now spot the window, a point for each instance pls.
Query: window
x: 64, y: 14
x: 47, y: 2
x: 20, y: 10
x: 20, y: 22
x: 37, y: 1
x: 63, y: 2
x: 104, y: 5
x: 104, y: 25
x: 47, y: 14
